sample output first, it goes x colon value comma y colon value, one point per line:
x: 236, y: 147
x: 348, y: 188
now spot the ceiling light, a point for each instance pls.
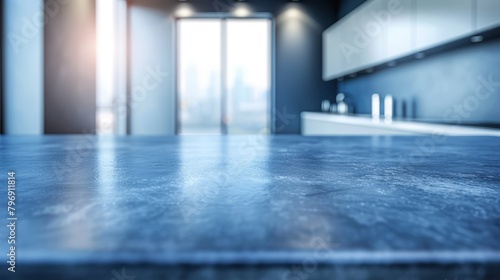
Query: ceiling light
x: 292, y: 12
x: 184, y: 12
x: 241, y: 12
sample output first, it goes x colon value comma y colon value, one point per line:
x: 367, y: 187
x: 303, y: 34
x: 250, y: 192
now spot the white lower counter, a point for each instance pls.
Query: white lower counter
x: 331, y: 124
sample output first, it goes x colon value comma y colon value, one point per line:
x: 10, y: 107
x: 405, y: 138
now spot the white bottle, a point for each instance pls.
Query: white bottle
x: 325, y: 106
x: 375, y: 107
x: 388, y: 108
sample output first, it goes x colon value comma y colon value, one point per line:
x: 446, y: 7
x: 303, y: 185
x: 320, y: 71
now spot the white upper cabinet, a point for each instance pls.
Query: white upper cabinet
x: 353, y: 41
x: 380, y: 31
x: 333, y: 62
x: 400, y: 28
x: 366, y: 31
x: 488, y: 14
x: 441, y: 21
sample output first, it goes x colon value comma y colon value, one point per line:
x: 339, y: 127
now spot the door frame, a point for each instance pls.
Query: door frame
x: 224, y: 17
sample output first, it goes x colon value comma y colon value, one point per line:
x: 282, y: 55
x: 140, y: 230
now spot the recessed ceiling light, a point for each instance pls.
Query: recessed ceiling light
x: 184, y: 12
x: 241, y: 12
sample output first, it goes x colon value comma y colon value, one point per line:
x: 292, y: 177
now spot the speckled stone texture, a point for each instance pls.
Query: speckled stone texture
x: 254, y: 207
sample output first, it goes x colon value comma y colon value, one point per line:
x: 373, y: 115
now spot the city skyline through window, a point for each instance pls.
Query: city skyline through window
x: 224, y: 73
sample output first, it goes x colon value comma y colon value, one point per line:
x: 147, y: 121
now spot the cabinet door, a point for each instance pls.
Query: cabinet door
x: 488, y: 14
x: 352, y: 44
x: 400, y: 31
x: 365, y: 32
x: 333, y: 63
x: 442, y: 21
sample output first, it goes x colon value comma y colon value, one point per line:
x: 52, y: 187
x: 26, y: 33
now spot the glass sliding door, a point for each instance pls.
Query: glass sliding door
x: 199, y: 72
x: 224, y: 76
x: 248, y: 76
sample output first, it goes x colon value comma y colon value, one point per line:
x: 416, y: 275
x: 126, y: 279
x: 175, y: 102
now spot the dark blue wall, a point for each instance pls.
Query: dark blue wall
x: 346, y: 6
x: 439, y: 83
x: 299, y: 58
x: 442, y: 87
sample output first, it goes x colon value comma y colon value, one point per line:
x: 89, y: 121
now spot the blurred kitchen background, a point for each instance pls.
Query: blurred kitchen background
x: 316, y: 67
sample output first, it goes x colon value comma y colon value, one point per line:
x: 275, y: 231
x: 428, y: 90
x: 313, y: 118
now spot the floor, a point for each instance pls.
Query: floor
x: 255, y: 207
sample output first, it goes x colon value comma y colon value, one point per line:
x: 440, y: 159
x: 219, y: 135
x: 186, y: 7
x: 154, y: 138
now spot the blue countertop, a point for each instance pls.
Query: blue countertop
x: 259, y: 200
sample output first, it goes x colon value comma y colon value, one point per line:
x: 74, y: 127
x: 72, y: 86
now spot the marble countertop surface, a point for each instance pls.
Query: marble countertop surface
x: 254, y: 199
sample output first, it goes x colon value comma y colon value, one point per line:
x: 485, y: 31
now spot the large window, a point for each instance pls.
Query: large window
x: 111, y: 66
x: 224, y: 76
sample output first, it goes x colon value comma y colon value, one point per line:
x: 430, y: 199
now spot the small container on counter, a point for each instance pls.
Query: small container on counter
x: 325, y: 106
x: 388, y: 108
x: 342, y: 107
x: 333, y: 108
x: 376, y: 107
